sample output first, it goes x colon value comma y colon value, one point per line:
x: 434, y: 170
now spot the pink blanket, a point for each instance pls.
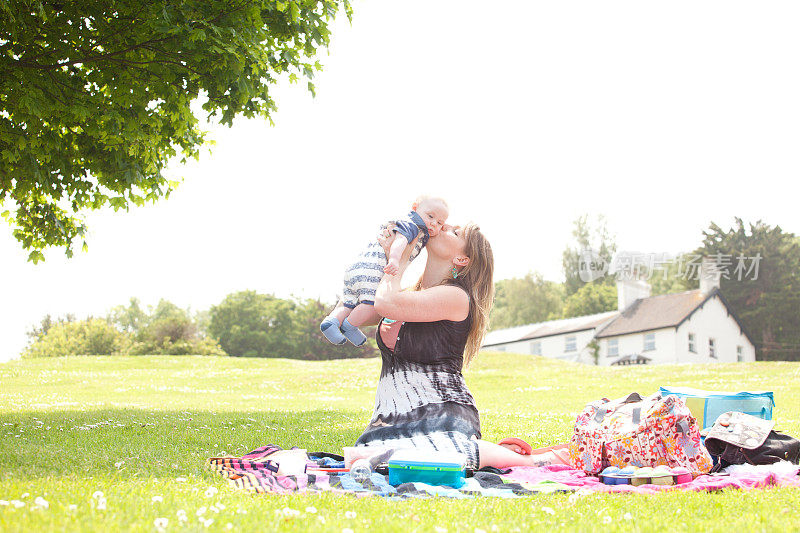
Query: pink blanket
x: 739, y: 478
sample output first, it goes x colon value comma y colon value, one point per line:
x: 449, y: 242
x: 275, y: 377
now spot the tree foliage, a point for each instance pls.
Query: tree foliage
x: 127, y: 330
x: 671, y: 277
x: 768, y: 304
x: 169, y: 330
x: 590, y: 299
x: 93, y: 336
x: 95, y: 97
x: 598, y: 239
x: 249, y: 324
x: 526, y: 300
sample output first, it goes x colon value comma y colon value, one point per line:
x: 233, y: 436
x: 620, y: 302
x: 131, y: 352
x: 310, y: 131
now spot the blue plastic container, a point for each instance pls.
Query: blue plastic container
x: 433, y: 468
x: 706, y: 406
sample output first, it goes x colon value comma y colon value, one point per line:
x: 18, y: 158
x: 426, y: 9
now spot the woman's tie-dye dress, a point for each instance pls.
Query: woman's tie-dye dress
x: 422, y: 400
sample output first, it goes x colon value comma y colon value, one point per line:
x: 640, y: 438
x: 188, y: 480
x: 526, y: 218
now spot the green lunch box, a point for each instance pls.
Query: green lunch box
x: 433, y: 468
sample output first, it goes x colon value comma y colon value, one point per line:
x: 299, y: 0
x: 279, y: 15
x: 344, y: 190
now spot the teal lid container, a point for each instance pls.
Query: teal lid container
x: 433, y: 468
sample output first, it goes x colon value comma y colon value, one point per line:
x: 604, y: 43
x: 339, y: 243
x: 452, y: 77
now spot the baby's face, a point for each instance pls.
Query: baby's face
x: 434, y: 213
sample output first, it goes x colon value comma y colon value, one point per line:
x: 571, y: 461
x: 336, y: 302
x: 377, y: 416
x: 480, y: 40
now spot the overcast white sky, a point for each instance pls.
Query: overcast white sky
x: 523, y: 115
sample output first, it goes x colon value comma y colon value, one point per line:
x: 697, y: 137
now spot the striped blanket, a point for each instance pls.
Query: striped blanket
x: 255, y: 472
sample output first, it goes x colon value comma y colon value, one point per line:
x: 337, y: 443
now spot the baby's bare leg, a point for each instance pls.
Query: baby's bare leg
x: 363, y: 314
x: 340, y: 312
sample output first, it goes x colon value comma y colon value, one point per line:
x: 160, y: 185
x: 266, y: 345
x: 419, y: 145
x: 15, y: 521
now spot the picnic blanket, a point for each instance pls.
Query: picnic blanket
x: 255, y: 472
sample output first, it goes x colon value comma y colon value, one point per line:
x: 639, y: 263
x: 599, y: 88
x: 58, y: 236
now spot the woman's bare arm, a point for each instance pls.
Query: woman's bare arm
x: 443, y: 302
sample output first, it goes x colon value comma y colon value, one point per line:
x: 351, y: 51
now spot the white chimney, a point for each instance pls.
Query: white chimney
x: 709, y: 275
x: 630, y: 290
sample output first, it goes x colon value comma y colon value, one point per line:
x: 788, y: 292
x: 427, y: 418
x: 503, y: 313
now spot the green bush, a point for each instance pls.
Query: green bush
x: 167, y: 330
x: 249, y: 324
x: 93, y: 336
x: 170, y: 330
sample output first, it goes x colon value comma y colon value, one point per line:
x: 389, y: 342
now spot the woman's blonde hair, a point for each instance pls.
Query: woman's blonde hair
x: 477, y: 278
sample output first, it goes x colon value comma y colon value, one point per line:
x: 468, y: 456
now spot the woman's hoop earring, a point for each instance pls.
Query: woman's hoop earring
x: 455, y: 272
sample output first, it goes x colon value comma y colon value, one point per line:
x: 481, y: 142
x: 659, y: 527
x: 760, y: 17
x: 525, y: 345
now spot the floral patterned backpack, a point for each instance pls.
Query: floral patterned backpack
x: 636, y: 431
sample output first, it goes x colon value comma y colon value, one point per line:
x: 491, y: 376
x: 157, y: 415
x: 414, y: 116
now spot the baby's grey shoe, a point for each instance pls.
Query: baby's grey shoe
x: 353, y: 334
x: 330, y: 328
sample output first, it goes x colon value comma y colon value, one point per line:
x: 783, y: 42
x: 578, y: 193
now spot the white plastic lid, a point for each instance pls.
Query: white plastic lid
x: 417, y: 455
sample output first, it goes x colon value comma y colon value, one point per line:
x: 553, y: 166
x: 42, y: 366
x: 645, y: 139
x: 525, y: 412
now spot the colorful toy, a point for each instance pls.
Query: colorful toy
x: 642, y: 476
x: 661, y: 475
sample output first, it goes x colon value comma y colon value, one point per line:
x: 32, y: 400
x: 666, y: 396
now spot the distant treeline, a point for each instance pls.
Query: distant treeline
x: 244, y: 324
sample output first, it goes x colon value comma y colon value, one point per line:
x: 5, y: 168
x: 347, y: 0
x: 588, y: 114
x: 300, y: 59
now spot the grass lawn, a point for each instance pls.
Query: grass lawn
x: 139, y: 430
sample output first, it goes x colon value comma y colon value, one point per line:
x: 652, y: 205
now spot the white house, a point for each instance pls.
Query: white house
x: 689, y: 327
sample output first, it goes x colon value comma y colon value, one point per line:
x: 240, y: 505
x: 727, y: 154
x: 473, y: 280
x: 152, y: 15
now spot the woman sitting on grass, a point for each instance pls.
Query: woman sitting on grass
x: 429, y: 334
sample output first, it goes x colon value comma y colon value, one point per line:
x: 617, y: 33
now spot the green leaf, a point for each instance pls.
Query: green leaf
x: 35, y: 256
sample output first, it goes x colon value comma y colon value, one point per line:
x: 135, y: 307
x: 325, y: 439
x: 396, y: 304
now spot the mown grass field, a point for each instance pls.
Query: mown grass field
x: 139, y: 429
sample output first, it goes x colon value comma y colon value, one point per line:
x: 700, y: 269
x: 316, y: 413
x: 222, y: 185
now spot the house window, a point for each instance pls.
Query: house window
x: 739, y: 354
x: 692, y: 344
x: 649, y: 342
x: 712, y: 348
x: 613, y: 347
x: 536, y: 348
x: 570, y: 343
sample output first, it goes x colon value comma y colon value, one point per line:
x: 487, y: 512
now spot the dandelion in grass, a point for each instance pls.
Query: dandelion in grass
x: 180, y: 479
x: 321, y: 519
x: 206, y: 521
x: 210, y: 492
x: 347, y: 530
x: 548, y: 510
x: 182, y: 515
x: 72, y: 507
x: 17, y: 503
x: 118, y: 464
x: 157, y: 499
x: 479, y: 530
x: 161, y: 524
x: 201, y: 511
x: 440, y: 529
x: 3, y: 503
x: 41, y: 502
x: 606, y: 519
x: 97, y: 494
x: 350, y: 514
x: 288, y: 512
x: 311, y: 510
x: 220, y: 506
x: 25, y: 494
x: 229, y: 526
x: 627, y: 516
x: 101, y: 504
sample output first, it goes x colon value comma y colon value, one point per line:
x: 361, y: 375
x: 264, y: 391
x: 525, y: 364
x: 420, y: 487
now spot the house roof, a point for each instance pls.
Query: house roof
x: 570, y: 325
x: 502, y: 336
x: 546, y: 329
x: 655, y: 312
x: 644, y: 314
